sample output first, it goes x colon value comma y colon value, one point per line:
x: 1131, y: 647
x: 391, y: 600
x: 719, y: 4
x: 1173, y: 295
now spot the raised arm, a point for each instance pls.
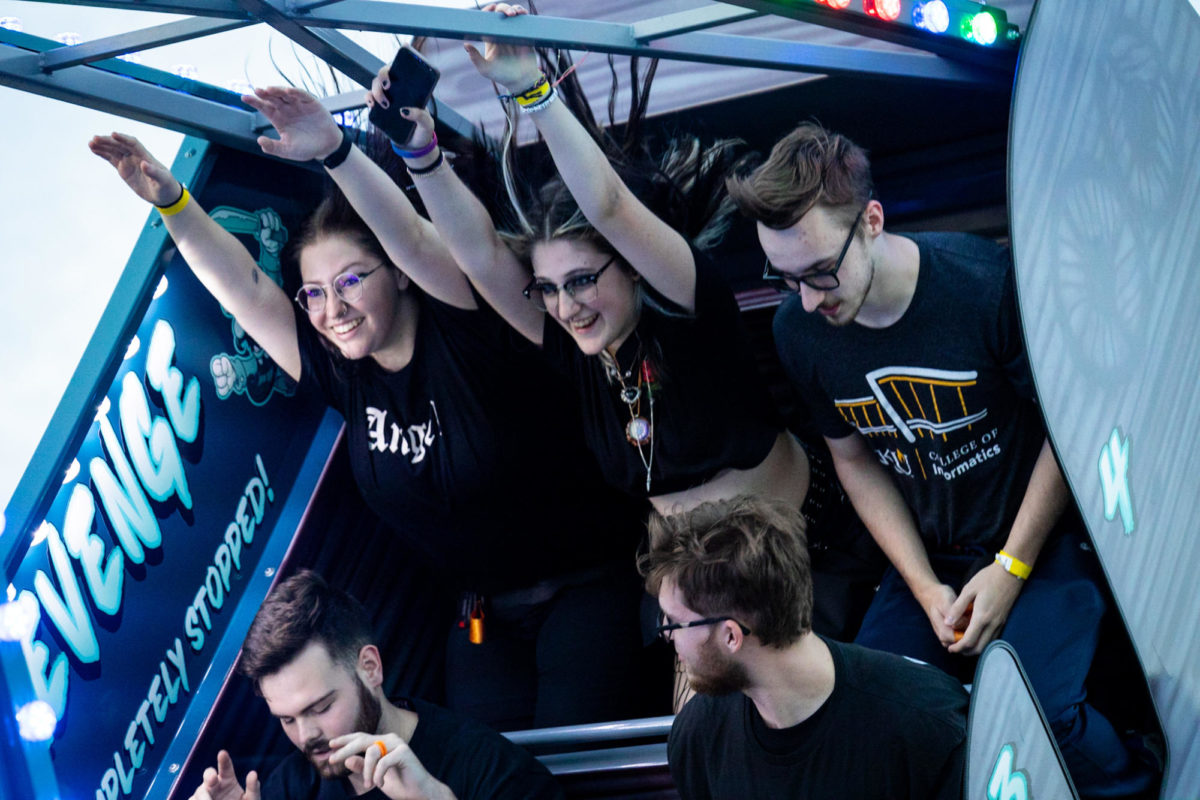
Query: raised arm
x: 307, y: 131
x: 217, y: 258
x: 466, y: 227
x: 655, y: 249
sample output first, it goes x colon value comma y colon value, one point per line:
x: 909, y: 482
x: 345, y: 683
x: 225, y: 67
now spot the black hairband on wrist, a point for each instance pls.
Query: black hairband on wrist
x: 335, y: 159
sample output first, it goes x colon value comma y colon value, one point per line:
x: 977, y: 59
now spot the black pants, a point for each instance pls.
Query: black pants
x: 565, y: 651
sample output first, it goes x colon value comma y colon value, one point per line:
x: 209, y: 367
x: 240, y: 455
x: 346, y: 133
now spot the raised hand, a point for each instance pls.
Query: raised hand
x: 306, y: 129
x: 514, y: 67
x: 378, y: 96
x: 222, y: 783
x: 144, y: 174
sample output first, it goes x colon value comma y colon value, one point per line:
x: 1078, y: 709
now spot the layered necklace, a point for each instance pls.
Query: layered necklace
x: 639, y: 431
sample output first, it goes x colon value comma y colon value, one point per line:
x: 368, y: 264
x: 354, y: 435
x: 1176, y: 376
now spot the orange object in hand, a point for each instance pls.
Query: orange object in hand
x: 475, y: 623
x: 960, y: 627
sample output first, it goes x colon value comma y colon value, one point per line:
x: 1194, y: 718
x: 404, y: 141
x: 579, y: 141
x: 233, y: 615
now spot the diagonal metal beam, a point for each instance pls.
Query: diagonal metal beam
x: 695, y: 19
x: 135, y: 41
x: 146, y: 102
x: 334, y: 48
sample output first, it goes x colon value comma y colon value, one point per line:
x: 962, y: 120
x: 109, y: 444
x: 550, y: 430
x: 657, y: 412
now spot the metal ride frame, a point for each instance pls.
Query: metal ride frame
x: 91, y: 75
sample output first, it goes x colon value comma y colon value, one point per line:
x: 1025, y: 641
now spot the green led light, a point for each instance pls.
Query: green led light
x: 980, y: 28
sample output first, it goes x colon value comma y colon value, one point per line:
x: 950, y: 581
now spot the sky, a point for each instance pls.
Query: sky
x: 67, y: 222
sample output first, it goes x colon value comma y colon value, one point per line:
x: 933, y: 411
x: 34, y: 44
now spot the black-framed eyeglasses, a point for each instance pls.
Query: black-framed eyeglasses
x: 347, y: 286
x: 665, y: 629
x: 822, y: 280
x: 581, y: 288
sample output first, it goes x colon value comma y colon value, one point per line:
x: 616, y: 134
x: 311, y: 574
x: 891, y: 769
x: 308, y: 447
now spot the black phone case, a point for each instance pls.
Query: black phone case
x: 413, y: 79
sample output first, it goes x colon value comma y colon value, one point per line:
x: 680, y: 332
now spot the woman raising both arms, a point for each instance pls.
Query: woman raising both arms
x: 501, y: 497
x: 620, y: 301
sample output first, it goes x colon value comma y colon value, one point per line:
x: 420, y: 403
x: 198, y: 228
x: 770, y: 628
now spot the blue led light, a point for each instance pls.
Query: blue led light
x: 932, y: 16
x: 36, y: 721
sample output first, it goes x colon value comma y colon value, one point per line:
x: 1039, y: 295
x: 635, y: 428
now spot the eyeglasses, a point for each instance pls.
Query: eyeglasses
x: 347, y: 286
x: 822, y: 280
x: 665, y: 629
x: 581, y: 288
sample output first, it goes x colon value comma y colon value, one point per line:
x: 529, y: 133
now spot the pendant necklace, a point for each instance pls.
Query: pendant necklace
x: 639, y: 431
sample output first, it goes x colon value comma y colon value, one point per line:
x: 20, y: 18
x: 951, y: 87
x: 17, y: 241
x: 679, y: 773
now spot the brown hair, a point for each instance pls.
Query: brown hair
x: 746, y: 557
x: 808, y: 166
x: 334, y: 216
x: 302, y: 610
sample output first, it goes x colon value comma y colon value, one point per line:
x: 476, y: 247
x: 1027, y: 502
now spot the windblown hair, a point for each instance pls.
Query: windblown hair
x: 808, y: 166
x: 746, y: 557
x: 300, y: 611
x: 684, y: 186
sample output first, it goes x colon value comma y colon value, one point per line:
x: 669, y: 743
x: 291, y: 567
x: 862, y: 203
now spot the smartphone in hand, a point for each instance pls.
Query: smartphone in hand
x: 412, y: 81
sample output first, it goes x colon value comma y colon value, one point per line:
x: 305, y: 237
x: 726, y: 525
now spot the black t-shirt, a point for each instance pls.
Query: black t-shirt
x: 711, y: 407
x: 892, y: 729
x: 473, y: 453
x: 474, y: 761
x: 944, y: 396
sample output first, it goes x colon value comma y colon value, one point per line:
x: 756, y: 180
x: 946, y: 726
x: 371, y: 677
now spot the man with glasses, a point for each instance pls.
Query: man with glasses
x: 914, y: 369
x: 781, y: 711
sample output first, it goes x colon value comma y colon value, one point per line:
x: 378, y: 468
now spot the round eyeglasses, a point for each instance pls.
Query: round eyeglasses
x: 823, y: 280
x: 347, y: 286
x: 581, y: 288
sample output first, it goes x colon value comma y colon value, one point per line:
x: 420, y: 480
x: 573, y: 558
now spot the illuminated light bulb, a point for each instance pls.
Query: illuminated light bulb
x: 72, y: 471
x: 932, y: 16
x: 135, y: 344
x: 18, y: 618
x: 11, y: 23
x: 840, y: 5
x: 980, y: 28
x: 68, y: 38
x: 36, y: 721
x: 161, y: 289
x: 188, y: 71
x: 884, y: 9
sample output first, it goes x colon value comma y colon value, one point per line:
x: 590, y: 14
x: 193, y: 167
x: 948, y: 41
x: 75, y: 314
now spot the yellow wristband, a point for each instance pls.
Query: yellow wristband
x: 1014, y: 566
x: 535, y: 94
x: 177, y: 206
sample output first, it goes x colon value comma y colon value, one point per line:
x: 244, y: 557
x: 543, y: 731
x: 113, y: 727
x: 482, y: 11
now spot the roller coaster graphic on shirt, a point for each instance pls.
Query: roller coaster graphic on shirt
x: 913, y: 403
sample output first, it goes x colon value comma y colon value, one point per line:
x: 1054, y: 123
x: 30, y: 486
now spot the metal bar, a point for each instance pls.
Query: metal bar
x: 197, y: 8
x: 750, y: 51
x: 1001, y: 58
x: 135, y: 41
x: 594, y: 732
x: 334, y: 48
x: 609, y: 37
x: 687, y: 21
x: 614, y: 759
x: 105, y: 91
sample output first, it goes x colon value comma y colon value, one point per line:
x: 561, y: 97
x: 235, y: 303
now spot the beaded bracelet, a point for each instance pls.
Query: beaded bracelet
x: 541, y: 105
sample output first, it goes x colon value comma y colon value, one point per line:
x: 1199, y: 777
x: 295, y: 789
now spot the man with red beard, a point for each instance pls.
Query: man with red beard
x: 781, y: 711
x: 310, y: 655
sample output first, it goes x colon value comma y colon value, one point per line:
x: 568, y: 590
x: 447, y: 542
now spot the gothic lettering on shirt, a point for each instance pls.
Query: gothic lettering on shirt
x: 412, y: 441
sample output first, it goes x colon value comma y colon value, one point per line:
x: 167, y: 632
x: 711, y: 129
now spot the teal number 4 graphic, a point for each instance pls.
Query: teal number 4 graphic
x: 1005, y: 784
x: 1114, y: 480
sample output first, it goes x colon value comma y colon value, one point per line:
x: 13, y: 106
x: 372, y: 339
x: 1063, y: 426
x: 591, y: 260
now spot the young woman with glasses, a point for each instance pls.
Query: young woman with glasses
x: 459, y: 437
x: 622, y: 302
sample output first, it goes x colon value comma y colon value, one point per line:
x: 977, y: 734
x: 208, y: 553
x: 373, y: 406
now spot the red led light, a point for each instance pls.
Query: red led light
x: 884, y: 9
x: 840, y: 5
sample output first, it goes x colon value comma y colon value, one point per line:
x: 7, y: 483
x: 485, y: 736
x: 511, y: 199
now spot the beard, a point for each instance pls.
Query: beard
x: 370, y: 711
x: 714, y: 673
